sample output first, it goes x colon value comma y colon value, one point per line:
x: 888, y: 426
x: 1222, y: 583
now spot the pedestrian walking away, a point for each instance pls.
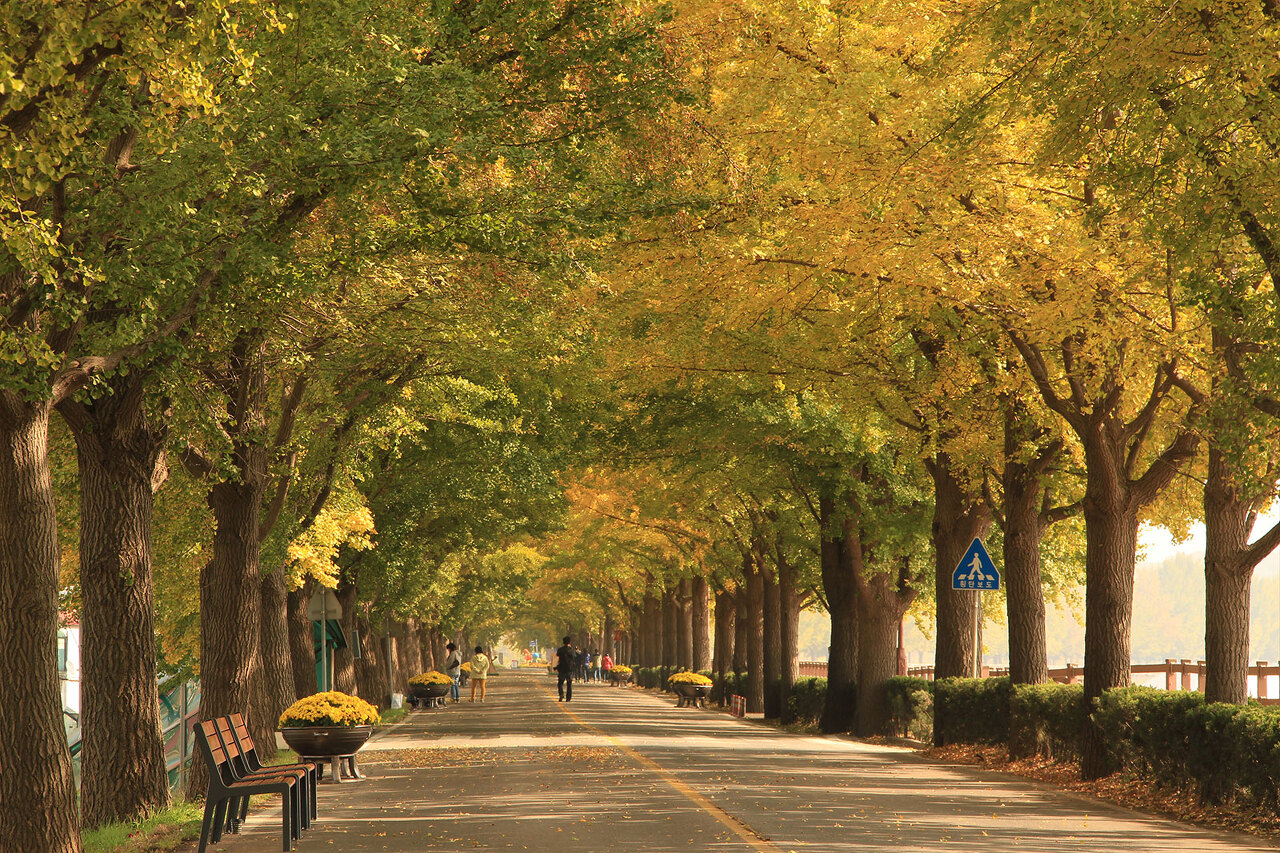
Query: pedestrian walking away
x: 606, y: 664
x: 453, y: 669
x: 599, y: 663
x: 479, y: 672
x: 566, y: 660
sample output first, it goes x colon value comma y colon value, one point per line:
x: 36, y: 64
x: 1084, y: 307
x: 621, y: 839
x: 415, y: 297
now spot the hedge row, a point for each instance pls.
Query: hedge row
x: 656, y: 676
x: 806, y: 700
x: 1222, y: 753
x: 808, y: 695
x: 911, y: 706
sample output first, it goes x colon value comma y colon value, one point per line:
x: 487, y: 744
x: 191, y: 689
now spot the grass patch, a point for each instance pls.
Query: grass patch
x: 392, y: 716
x: 166, y: 830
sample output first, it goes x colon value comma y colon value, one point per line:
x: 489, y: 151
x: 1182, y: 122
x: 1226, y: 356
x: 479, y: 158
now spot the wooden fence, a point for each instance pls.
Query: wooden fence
x: 1178, y: 675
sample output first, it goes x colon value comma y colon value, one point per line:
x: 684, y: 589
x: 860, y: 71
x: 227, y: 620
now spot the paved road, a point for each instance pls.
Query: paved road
x: 624, y: 770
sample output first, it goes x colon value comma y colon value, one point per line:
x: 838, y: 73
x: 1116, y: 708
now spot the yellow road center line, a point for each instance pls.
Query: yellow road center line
x: 730, y: 822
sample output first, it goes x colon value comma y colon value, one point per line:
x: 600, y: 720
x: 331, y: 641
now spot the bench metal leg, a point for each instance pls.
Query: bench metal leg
x: 287, y: 800
x: 206, y: 825
x: 219, y: 821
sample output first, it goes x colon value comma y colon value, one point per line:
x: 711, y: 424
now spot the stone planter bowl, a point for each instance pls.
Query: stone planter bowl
x: 428, y: 691
x: 691, y: 695
x: 326, y: 740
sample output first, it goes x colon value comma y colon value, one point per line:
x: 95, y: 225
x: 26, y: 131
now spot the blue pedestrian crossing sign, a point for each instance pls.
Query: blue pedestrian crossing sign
x: 975, y: 571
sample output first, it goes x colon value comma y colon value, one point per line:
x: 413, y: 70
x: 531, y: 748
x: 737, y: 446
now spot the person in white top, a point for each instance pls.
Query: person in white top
x: 479, y: 672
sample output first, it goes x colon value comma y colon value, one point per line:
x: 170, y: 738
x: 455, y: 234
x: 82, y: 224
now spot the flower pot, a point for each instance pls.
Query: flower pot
x: 691, y: 695
x: 428, y: 691
x: 326, y: 740
x: 619, y: 677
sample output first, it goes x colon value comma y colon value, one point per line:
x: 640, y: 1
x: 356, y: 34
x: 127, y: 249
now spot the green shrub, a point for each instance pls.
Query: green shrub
x: 1254, y: 762
x: 735, y: 683
x: 808, y: 696
x: 648, y: 676
x: 1046, y: 720
x: 971, y: 710
x: 911, y: 706
x: 1222, y: 753
x: 1149, y: 731
x: 654, y: 676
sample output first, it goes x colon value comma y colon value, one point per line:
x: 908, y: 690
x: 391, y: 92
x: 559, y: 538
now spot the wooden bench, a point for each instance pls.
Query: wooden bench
x: 245, y: 764
x: 226, y: 791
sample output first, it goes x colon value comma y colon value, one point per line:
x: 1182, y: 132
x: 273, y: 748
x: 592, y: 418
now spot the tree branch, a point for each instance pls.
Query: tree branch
x: 1034, y: 360
x: 1165, y: 468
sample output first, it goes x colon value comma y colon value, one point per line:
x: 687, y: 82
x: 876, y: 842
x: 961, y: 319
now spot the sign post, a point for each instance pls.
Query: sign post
x: 324, y: 606
x: 976, y: 572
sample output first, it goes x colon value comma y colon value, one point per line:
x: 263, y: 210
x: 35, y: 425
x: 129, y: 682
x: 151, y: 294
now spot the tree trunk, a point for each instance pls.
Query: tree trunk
x: 642, y: 633
x: 670, y: 629
x: 1227, y: 578
x: 653, y: 616
x: 371, y: 667
x: 391, y: 661
x: 755, y: 632
x: 229, y: 599
x: 701, y: 624
x: 274, y: 687
x: 723, y: 659
x: 427, y: 637
x: 789, y: 614
x: 684, y: 612
x: 410, y: 651
x: 438, y: 652
x: 1024, y: 589
x: 839, y: 584
x: 413, y: 650
x: 302, y: 641
x: 959, y: 517
x: 881, y: 605
x: 740, y: 629
x: 772, y: 668
x: 1111, y: 540
x: 344, y: 661
x: 121, y: 463
x: 39, y: 812
x: 230, y: 583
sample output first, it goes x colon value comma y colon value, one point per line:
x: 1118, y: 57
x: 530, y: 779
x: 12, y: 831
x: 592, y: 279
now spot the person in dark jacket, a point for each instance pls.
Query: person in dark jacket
x: 566, y: 660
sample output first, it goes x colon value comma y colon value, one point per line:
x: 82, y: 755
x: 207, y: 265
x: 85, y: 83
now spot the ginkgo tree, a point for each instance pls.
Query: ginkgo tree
x: 1179, y: 137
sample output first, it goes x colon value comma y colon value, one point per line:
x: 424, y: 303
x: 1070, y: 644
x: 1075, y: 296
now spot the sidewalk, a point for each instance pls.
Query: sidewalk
x: 624, y: 770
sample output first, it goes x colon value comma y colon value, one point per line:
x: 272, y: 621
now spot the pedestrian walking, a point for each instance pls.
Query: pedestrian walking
x: 586, y: 665
x: 606, y: 664
x: 580, y: 664
x: 599, y: 665
x: 453, y: 669
x: 566, y: 660
x: 479, y: 672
